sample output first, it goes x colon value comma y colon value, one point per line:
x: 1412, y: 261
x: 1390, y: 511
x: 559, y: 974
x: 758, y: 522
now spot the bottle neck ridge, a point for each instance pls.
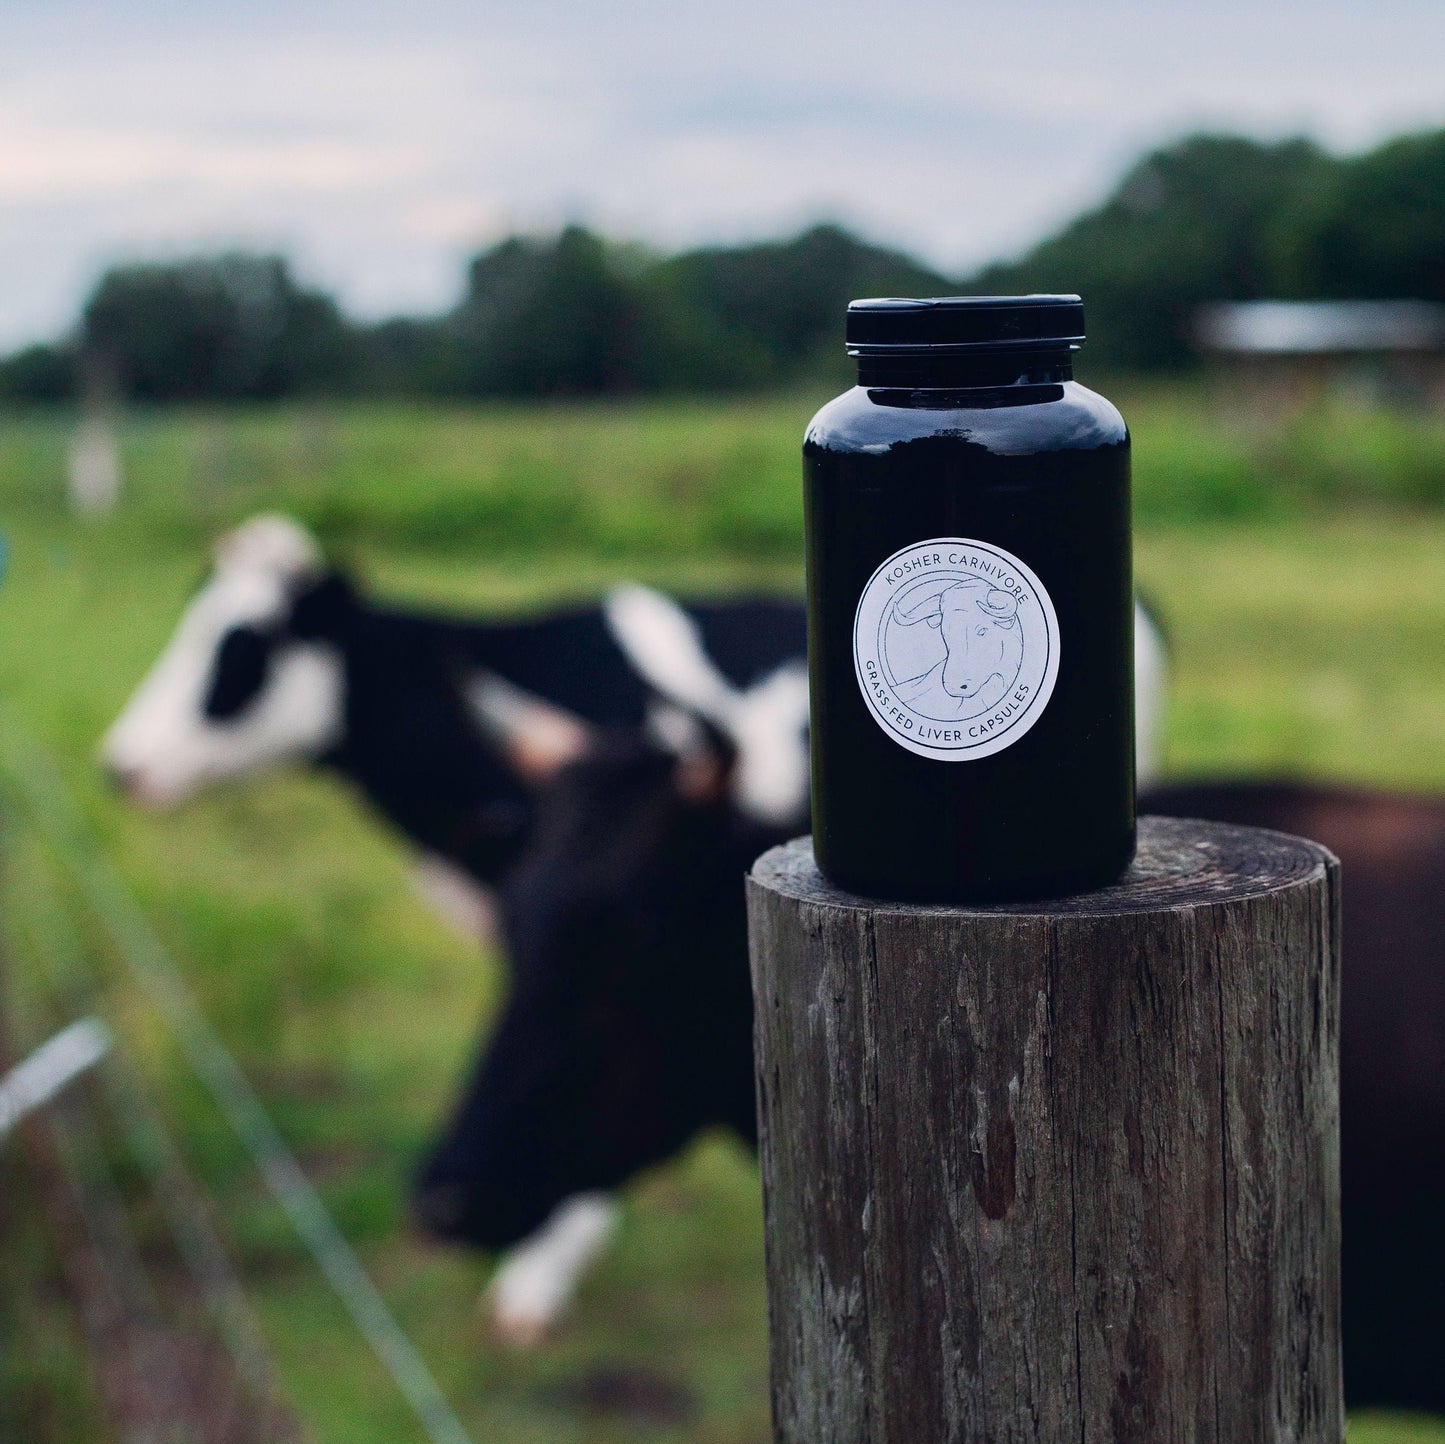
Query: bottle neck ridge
x: 926, y: 369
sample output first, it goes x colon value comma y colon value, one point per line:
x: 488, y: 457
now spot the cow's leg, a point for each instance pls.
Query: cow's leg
x: 535, y: 1281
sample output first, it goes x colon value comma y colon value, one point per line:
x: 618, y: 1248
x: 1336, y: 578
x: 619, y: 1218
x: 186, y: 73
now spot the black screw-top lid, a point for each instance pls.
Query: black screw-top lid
x: 895, y: 325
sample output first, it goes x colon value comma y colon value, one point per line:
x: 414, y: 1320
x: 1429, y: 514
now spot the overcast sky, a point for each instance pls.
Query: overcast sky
x: 380, y: 143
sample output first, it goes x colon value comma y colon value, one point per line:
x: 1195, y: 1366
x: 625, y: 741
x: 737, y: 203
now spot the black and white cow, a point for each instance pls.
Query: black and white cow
x: 628, y: 1029
x: 278, y: 659
x: 453, y: 730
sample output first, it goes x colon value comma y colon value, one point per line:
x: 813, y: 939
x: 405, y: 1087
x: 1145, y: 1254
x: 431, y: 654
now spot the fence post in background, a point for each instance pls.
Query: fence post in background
x: 1055, y: 1171
x: 93, y: 464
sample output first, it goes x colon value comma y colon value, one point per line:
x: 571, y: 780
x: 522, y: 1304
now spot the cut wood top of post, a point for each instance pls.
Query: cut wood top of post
x: 1181, y: 863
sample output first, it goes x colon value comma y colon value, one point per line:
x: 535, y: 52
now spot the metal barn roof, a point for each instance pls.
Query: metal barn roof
x: 1321, y: 328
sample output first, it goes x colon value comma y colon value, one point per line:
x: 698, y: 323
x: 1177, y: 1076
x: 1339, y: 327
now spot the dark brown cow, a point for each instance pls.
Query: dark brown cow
x: 1392, y: 849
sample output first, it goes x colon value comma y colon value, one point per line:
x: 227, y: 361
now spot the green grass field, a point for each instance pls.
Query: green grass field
x: 1300, y: 573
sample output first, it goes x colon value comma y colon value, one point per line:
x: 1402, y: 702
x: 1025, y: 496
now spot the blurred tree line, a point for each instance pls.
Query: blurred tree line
x: 1211, y: 217
x: 1218, y: 217
x: 565, y: 315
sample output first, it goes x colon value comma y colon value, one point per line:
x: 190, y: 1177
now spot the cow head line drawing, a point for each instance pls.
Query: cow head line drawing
x: 982, y: 639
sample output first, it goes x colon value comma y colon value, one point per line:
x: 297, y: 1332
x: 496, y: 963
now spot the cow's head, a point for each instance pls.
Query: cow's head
x: 627, y: 1029
x: 980, y: 630
x: 247, y: 680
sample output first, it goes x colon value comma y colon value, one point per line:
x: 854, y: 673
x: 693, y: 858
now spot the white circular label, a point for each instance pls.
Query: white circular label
x: 956, y: 646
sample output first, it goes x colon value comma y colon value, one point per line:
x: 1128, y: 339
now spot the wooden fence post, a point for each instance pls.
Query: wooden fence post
x: 1055, y: 1171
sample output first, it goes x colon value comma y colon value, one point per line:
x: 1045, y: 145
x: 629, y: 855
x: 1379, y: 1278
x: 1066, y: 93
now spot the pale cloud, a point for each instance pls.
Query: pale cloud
x: 48, y: 166
x: 380, y: 143
x: 452, y: 219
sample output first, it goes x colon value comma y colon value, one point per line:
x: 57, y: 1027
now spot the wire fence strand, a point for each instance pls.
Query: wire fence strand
x: 75, y: 984
x: 37, y: 784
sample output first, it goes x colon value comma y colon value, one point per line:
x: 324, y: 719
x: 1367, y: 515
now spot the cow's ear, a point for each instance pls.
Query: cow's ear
x: 704, y: 770
x: 534, y: 738
x: 703, y: 778
x: 326, y: 608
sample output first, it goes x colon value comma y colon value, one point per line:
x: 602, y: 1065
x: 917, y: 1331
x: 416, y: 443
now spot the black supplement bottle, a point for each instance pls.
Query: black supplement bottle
x: 970, y: 608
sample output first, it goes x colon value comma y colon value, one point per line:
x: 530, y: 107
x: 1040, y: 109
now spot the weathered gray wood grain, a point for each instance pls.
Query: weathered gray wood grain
x: 1055, y: 1171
